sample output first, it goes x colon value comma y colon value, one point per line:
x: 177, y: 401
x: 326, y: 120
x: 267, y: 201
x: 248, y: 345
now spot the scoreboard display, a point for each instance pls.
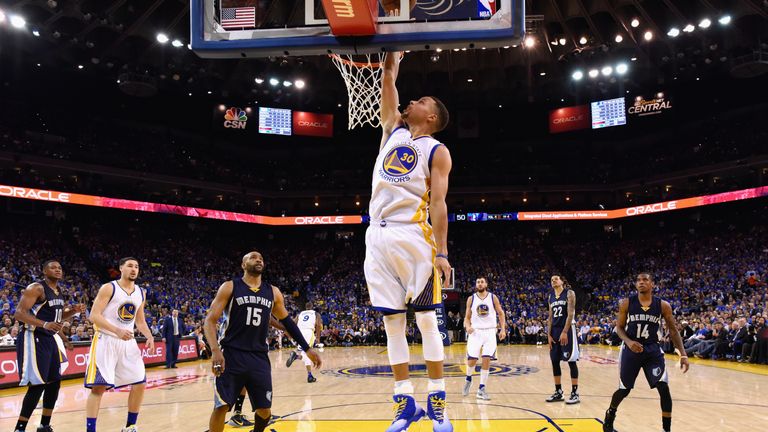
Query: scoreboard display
x: 276, y: 121
x: 607, y: 113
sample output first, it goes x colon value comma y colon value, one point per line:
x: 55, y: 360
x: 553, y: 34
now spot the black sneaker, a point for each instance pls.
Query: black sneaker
x: 239, y: 420
x: 557, y: 396
x: 292, y: 358
x: 311, y: 379
x: 44, y: 428
x: 610, y: 416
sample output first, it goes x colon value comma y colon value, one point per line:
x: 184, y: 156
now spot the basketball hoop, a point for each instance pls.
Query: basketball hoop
x: 362, y: 76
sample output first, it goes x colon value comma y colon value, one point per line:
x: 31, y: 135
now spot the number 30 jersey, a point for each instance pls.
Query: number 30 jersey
x: 401, y: 178
x: 246, y: 317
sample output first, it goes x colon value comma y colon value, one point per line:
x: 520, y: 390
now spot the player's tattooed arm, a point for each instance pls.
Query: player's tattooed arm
x: 221, y: 300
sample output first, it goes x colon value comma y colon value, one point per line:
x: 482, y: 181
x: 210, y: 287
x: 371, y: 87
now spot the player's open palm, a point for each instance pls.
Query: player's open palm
x: 315, y: 357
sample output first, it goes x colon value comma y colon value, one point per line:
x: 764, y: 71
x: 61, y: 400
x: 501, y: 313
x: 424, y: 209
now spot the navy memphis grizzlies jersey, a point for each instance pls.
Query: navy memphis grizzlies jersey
x: 643, y: 324
x: 51, y: 309
x: 559, y: 306
x: 246, y: 318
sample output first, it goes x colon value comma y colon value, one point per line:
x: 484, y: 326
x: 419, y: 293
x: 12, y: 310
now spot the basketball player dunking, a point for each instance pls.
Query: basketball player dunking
x: 404, y: 259
x: 638, y: 326
x: 563, y: 344
x: 41, y: 310
x: 480, y: 321
x: 311, y: 325
x: 240, y: 358
x: 115, y: 359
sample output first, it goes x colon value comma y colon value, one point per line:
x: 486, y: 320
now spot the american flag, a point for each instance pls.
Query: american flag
x: 238, y: 17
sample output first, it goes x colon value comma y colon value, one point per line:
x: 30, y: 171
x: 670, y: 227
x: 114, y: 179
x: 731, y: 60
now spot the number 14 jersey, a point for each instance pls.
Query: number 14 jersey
x: 246, y: 317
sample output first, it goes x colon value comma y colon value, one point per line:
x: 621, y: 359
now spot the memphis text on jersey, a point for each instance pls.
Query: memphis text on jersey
x: 644, y: 317
x: 257, y: 300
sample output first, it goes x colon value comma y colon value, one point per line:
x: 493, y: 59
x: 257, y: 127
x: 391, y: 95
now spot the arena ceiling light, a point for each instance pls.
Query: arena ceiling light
x: 274, y: 81
x: 689, y: 28
x: 648, y: 35
x: 705, y: 23
x: 593, y: 73
x: 724, y: 20
x: 606, y: 70
x: 673, y: 32
x: 583, y: 40
x: 36, y: 33
x: 619, y: 38
x: 562, y: 41
x: 259, y: 80
x: 2, y: 16
x: 578, y: 75
x: 300, y: 84
x: 530, y: 41
x: 622, y: 68
x: 17, y: 21
x: 287, y: 83
x: 162, y: 38
x: 635, y: 22
x: 177, y: 43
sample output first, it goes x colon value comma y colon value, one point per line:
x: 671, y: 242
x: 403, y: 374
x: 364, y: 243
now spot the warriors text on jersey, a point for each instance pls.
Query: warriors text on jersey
x: 559, y: 307
x: 643, y: 323
x: 401, y: 178
x: 483, y: 312
x: 246, y: 318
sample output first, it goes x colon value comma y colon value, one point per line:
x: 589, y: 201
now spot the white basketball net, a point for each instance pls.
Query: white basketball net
x: 363, y: 81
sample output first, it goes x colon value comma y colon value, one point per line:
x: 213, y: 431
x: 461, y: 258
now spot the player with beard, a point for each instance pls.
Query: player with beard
x: 563, y: 343
x: 240, y: 357
x: 480, y: 322
x: 115, y: 359
x: 41, y: 310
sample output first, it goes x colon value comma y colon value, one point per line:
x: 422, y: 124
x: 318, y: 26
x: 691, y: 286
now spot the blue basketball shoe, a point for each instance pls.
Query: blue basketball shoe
x: 436, y: 412
x: 406, y: 412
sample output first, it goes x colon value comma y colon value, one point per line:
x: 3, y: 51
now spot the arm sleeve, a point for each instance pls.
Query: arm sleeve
x: 294, y: 332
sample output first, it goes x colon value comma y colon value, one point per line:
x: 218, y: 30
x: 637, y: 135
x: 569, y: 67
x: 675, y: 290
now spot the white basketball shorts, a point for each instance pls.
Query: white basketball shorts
x: 481, y: 342
x: 114, y: 362
x: 399, y: 267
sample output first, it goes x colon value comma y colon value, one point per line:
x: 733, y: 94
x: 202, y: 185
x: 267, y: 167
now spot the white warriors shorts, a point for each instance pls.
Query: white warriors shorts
x: 114, y: 362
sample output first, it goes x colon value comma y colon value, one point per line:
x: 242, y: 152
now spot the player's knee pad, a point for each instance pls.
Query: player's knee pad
x: 31, y: 399
x: 51, y: 394
x: 397, y: 344
x: 432, y: 343
x: 574, y: 370
x: 666, y: 396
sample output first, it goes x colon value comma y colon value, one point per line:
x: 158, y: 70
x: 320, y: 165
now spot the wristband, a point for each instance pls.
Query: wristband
x: 441, y: 256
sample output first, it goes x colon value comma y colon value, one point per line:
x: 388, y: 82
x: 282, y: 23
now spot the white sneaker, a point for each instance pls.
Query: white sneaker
x: 131, y: 428
x: 467, y: 386
x: 483, y: 395
x: 573, y: 399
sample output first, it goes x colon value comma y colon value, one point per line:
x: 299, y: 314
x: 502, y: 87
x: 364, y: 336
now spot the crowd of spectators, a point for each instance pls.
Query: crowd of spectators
x: 713, y: 277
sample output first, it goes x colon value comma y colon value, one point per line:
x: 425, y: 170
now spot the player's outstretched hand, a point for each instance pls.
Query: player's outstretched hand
x: 124, y: 334
x: 635, y: 346
x: 315, y: 357
x: 217, y: 362
x: 684, y: 365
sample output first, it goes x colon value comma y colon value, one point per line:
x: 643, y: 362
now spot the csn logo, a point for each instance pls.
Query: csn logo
x: 235, y: 118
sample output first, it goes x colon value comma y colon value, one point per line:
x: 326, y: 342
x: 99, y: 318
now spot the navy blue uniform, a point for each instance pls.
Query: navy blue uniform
x: 559, y: 311
x: 244, y: 345
x: 643, y: 324
x: 37, y: 353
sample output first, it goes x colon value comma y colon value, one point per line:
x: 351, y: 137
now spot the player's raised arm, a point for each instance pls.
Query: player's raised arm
x: 390, y: 116
x: 666, y: 312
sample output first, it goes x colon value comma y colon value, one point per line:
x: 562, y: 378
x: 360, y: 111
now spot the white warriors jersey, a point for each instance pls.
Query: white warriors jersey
x: 483, y: 312
x: 307, y: 320
x: 401, y: 179
x: 122, y: 307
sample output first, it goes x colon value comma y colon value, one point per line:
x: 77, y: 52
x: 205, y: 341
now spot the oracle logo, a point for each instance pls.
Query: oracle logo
x: 318, y: 220
x: 313, y: 124
x: 82, y: 359
x: 187, y: 349
x: 561, y: 120
x: 158, y: 353
x: 652, y: 208
x: 8, y: 367
x: 36, y: 194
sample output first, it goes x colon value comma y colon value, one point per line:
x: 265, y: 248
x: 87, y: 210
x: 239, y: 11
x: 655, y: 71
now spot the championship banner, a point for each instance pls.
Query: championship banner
x: 77, y: 359
x: 569, y: 119
x: 656, y: 105
x: 441, y: 320
x: 312, y: 124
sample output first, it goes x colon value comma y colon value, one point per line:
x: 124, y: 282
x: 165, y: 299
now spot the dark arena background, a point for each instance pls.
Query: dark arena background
x: 616, y: 137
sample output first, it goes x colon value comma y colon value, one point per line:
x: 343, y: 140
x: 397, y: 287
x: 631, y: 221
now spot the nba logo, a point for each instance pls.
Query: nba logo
x: 486, y: 8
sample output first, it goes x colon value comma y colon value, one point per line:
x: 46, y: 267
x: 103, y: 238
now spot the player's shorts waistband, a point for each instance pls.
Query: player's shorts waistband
x: 485, y: 328
x: 383, y: 223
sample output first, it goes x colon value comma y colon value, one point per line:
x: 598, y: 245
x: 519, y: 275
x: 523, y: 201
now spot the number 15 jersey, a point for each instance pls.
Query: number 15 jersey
x: 246, y: 317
